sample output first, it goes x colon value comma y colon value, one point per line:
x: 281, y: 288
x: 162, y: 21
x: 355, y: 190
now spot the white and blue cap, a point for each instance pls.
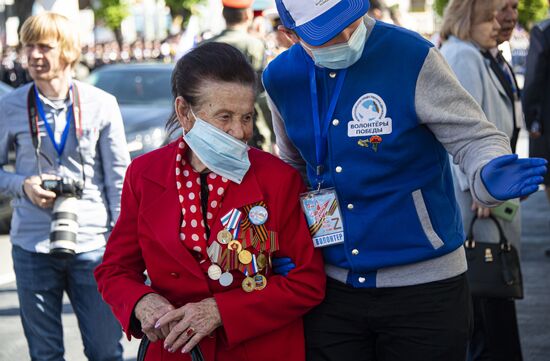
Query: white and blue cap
x: 318, y: 21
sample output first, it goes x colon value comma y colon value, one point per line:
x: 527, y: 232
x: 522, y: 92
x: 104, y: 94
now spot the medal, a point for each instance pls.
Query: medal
x: 248, y: 284
x: 245, y: 257
x: 260, y: 282
x: 257, y: 215
x: 261, y: 261
x: 226, y: 279
x: 214, y: 272
x: 224, y: 236
x: 235, y: 246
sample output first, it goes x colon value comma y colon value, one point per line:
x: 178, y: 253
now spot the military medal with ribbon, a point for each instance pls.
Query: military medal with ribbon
x: 225, y: 260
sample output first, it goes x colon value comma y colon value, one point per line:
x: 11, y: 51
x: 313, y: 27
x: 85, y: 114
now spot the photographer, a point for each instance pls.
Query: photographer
x: 71, y: 156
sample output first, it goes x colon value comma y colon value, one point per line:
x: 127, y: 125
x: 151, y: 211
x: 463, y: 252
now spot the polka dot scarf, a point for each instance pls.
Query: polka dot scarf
x: 188, y: 181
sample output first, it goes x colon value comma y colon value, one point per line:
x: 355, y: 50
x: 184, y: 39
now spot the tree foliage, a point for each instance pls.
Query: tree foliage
x: 439, y: 6
x: 112, y: 12
x: 530, y: 11
x: 182, y: 8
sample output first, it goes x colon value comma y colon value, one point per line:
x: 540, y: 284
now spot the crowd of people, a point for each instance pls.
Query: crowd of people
x: 347, y: 244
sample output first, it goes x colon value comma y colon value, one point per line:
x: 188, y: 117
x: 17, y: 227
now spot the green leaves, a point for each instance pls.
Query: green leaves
x: 531, y: 12
x: 112, y: 12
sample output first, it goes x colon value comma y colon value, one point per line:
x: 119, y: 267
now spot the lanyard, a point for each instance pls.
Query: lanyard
x: 321, y: 128
x: 61, y: 146
x: 34, y: 108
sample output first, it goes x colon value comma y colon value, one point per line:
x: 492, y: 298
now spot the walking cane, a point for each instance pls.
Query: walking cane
x: 196, y: 354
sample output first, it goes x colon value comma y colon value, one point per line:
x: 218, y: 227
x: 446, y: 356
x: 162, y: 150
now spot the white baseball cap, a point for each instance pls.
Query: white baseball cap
x: 318, y: 21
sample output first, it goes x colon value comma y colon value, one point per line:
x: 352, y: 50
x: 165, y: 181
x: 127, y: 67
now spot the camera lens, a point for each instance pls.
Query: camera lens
x: 64, y: 227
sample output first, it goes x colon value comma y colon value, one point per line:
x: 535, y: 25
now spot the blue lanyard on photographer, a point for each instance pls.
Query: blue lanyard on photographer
x: 59, y: 147
x: 36, y: 110
x: 320, y: 127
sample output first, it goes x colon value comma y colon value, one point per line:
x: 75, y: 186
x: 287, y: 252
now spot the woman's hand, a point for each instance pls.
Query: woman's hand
x: 482, y: 212
x: 149, y: 309
x: 189, y: 324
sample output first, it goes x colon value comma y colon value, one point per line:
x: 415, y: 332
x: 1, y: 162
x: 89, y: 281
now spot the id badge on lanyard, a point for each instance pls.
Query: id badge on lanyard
x: 323, y: 216
x: 320, y: 207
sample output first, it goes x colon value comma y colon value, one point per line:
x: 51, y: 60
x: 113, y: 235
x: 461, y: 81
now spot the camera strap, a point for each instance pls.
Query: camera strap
x: 36, y: 111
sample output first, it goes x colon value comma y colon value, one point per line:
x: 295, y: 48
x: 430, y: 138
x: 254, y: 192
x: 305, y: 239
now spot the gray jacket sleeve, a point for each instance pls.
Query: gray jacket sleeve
x: 114, y: 155
x: 286, y: 149
x: 458, y: 122
x: 11, y: 184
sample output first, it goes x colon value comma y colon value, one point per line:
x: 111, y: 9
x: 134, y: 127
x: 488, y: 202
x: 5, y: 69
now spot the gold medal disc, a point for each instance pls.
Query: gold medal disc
x: 245, y: 257
x: 248, y: 284
x: 235, y: 246
x: 261, y: 261
x: 224, y: 236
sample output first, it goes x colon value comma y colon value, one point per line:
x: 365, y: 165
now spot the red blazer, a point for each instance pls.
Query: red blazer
x: 261, y: 325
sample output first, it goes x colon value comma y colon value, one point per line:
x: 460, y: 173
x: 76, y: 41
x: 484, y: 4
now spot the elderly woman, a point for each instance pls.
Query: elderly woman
x: 203, y: 216
x: 469, y: 32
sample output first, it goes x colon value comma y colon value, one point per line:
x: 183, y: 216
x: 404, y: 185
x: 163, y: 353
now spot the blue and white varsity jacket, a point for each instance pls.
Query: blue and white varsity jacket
x: 396, y: 118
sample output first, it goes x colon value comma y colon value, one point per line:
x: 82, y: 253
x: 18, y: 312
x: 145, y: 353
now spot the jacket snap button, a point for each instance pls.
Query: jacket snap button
x: 174, y: 275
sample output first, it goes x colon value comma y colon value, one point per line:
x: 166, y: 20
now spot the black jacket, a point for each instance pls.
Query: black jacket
x: 536, y: 91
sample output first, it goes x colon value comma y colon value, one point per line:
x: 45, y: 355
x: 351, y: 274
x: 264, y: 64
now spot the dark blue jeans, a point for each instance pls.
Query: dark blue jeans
x: 41, y: 281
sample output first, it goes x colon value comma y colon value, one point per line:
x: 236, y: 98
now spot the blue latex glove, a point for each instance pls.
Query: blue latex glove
x: 282, y: 265
x: 508, y: 177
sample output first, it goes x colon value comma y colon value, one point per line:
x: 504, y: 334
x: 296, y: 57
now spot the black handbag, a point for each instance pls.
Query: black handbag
x: 196, y: 354
x: 493, y: 268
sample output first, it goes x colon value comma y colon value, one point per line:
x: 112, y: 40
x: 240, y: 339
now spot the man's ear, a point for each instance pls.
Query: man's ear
x: 183, y: 109
x: 289, y: 34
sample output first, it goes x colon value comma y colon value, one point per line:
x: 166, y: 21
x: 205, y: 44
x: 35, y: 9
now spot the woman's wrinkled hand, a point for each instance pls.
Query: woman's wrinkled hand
x: 149, y: 309
x: 190, y: 324
x: 482, y: 212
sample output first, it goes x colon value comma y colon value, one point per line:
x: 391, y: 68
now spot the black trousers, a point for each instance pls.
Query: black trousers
x: 425, y: 322
x: 495, y: 336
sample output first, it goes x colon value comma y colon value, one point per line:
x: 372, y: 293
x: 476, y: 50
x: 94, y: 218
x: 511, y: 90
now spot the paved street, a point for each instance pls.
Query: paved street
x: 533, y: 311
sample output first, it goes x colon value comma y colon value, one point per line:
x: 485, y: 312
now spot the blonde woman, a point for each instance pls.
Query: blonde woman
x: 470, y: 30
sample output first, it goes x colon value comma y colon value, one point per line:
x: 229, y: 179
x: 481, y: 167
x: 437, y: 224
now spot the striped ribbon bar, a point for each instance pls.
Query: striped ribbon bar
x: 231, y: 219
x: 273, y: 241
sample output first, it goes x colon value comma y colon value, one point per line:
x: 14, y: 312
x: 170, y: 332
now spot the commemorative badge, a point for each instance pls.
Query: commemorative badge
x: 323, y: 217
x: 260, y: 282
x: 370, y: 121
x: 258, y: 215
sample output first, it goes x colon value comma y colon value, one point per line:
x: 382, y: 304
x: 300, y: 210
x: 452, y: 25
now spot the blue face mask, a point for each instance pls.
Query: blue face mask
x: 220, y: 152
x: 343, y: 55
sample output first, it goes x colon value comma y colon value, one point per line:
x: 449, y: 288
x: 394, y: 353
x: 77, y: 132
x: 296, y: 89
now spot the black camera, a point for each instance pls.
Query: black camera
x: 65, y: 187
x: 64, y: 228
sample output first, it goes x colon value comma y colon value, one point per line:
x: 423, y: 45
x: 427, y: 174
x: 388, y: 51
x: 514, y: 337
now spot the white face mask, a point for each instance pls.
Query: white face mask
x: 220, y: 152
x: 342, y: 55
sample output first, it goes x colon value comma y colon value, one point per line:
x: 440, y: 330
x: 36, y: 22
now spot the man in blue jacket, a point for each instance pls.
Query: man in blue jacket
x: 370, y: 112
